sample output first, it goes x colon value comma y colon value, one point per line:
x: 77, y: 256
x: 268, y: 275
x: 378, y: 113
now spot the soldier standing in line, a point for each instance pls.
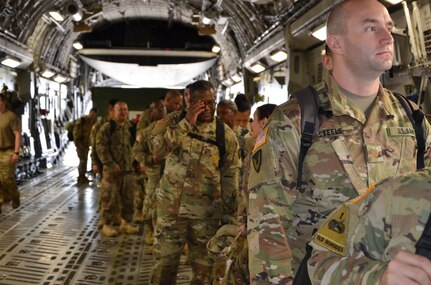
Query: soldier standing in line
x: 96, y: 163
x: 10, y: 143
x: 142, y: 153
x: 372, y: 239
x: 81, y: 138
x: 226, y: 111
x: 195, y: 191
x: 365, y: 137
x: 118, y: 184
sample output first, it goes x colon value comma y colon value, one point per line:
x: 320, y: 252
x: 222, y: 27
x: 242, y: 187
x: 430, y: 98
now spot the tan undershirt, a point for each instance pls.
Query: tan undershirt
x: 363, y: 102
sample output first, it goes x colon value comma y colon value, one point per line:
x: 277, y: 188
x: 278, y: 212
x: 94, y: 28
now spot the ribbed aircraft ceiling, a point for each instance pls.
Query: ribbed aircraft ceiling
x: 236, y: 25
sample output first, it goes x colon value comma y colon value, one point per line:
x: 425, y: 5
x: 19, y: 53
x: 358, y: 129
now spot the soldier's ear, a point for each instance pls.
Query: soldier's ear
x: 335, y: 44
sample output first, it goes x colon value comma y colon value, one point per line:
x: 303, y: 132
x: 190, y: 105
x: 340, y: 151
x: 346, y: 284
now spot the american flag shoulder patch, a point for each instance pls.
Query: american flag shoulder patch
x: 261, y: 140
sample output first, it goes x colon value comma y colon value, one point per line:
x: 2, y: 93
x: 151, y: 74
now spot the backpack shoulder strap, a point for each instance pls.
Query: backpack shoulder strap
x: 308, y: 102
x: 221, y: 141
x: 416, y: 117
x: 112, y: 127
x: 423, y: 246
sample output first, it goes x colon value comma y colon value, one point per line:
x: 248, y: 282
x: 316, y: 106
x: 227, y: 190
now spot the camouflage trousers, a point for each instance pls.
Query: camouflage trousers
x: 140, y: 192
x: 83, y: 158
x: 150, y: 202
x: 237, y: 272
x: 171, y: 236
x: 8, y: 187
x: 116, y: 197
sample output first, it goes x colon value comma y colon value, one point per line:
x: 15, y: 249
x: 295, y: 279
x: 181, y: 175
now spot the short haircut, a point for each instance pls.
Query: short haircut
x: 228, y: 104
x: 112, y: 102
x: 93, y: 110
x: 201, y: 85
x: 242, y: 103
x: 172, y: 94
x: 336, y: 23
x: 264, y: 111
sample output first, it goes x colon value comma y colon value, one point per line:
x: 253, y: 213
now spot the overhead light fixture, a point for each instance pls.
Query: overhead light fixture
x: 77, y: 45
x: 236, y: 78
x: 320, y: 33
x: 10, y: 61
x: 215, y: 49
x: 48, y: 73
x: 278, y: 56
x: 257, y: 67
x: 56, y: 16
x: 77, y: 17
x: 394, y: 2
x: 205, y: 20
x: 60, y: 78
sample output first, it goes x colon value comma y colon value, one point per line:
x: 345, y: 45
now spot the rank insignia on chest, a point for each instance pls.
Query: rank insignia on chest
x: 333, y: 232
x: 257, y: 160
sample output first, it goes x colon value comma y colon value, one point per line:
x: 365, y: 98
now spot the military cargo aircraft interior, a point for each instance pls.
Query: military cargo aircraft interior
x: 61, y: 60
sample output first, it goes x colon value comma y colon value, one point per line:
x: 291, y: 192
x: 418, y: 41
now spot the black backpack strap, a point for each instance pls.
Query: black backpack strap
x: 416, y: 117
x: 219, y: 142
x: 112, y: 127
x: 308, y: 102
x: 301, y: 276
x: 423, y: 246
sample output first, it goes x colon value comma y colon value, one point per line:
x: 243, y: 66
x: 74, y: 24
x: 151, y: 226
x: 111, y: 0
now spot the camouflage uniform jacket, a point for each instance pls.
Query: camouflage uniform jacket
x: 348, y: 154
x: 114, y: 148
x: 192, y: 185
x: 93, y: 138
x: 145, y: 120
x: 81, y: 132
x: 391, y: 218
x: 142, y: 150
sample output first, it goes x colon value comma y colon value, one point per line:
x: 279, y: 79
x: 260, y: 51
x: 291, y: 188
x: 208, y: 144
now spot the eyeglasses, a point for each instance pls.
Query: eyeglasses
x: 209, y: 104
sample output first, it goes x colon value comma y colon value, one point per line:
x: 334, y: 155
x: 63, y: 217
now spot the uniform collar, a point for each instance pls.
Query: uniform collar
x: 340, y: 105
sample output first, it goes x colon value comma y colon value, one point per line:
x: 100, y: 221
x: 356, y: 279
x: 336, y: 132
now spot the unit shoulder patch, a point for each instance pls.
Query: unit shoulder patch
x: 257, y: 160
x: 333, y: 232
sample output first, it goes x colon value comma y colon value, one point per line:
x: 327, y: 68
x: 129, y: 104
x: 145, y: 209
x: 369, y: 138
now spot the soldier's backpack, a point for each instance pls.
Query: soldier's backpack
x: 69, y: 127
x: 220, y: 142
x: 310, y: 123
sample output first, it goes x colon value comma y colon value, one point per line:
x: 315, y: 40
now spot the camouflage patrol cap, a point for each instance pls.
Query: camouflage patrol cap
x: 218, y: 245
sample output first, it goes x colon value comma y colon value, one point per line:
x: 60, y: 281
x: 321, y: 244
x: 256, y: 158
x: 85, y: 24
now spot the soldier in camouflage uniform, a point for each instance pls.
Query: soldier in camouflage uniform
x: 194, y: 192
x: 226, y: 111
x: 96, y: 163
x: 371, y: 240
x: 10, y: 143
x: 242, y: 125
x: 142, y: 152
x: 81, y: 138
x: 113, y: 145
x: 357, y: 144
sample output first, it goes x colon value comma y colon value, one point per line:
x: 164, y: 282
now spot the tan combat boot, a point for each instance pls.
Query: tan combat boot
x: 127, y: 228
x: 139, y: 218
x: 148, y: 233
x: 109, y: 231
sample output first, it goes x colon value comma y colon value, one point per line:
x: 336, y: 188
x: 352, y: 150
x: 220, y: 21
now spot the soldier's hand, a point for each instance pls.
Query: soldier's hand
x: 95, y: 169
x: 116, y: 169
x: 143, y: 168
x: 195, y: 109
x: 407, y: 269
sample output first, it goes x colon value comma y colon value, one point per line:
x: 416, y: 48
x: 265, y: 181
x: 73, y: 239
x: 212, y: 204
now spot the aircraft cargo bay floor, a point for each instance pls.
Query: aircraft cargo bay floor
x: 52, y: 238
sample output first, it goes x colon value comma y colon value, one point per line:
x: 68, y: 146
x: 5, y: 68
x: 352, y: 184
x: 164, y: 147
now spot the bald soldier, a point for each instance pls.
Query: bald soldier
x: 365, y: 137
x: 372, y: 239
